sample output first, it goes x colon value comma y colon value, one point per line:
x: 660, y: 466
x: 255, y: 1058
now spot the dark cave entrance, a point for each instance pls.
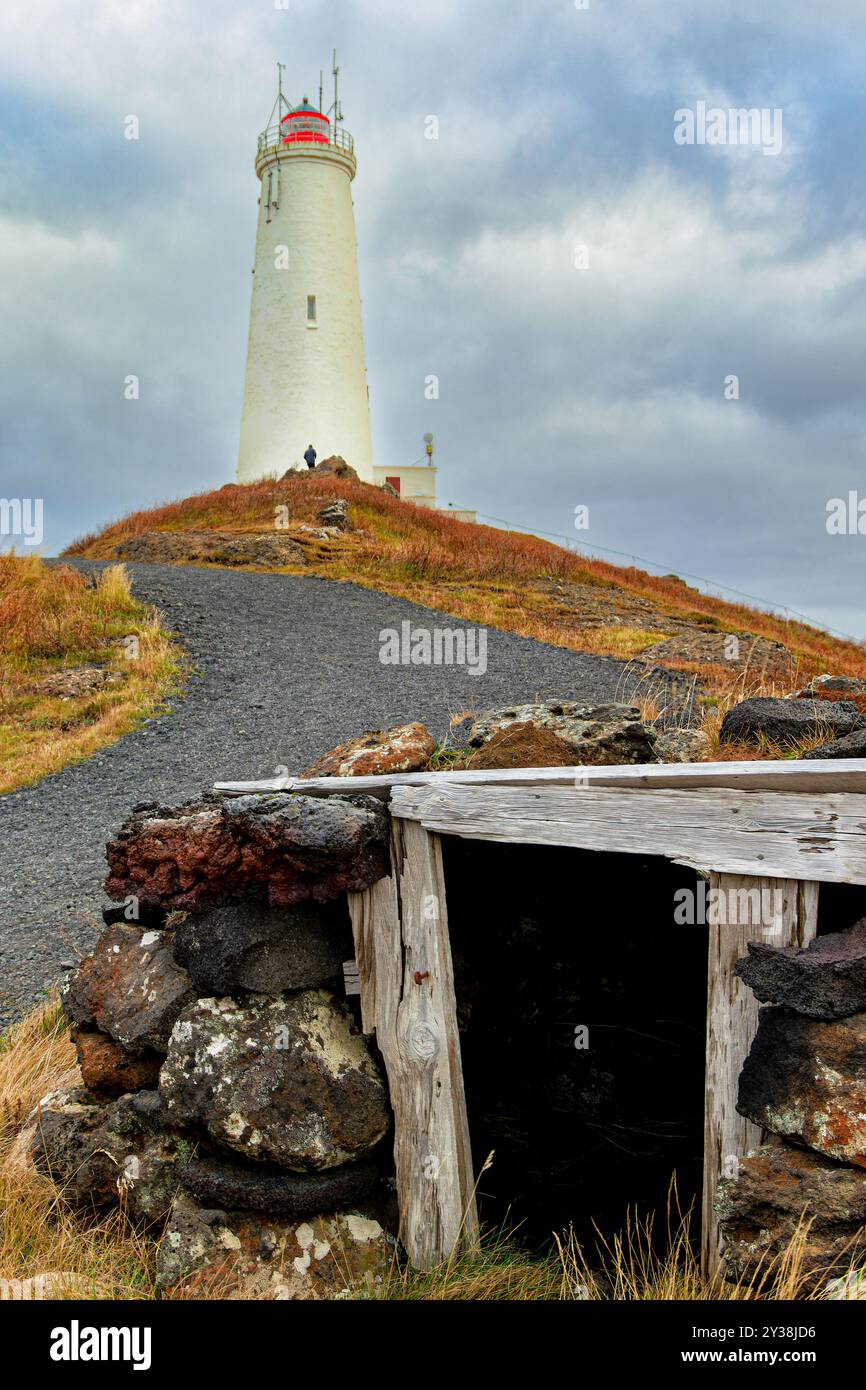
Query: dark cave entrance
x: 546, y: 941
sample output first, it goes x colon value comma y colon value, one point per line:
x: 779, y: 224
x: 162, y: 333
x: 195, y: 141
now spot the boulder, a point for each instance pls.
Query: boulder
x: 335, y: 513
x: 523, y: 745
x: 598, y: 734
x: 806, y: 1079
x: 243, y: 1187
x: 278, y: 848
x: 97, y: 1156
x: 826, y: 979
x: 336, y: 466
x: 760, y: 1208
x: 681, y: 746
x: 787, y: 721
x: 284, y: 1081
x: 245, y: 946
x: 405, y: 748
x: 107, y: 1069
x: 131, y: 988
x: 851, y: 745
x: 240, y: 1255
x: 832, y: 688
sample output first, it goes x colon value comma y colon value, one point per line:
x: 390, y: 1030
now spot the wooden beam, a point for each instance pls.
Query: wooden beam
x: 793, y: 835
x: 407, y: 996
x: 784, y: 913
x: 789, y: 774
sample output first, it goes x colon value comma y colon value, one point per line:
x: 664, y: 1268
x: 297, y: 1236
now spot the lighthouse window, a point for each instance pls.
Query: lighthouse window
x: 311, y: 310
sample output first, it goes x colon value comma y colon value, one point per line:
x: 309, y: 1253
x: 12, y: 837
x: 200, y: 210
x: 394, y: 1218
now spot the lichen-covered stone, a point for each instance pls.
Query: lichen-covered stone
x: 107, y: 1069
x: 761, y: 1207
x: 286, y: 1081
x: 241, y: 1255
x: 245, y: 1187
x: 278, y: 848
x: 806, y: 1079
x: 405, y: 748
x: 681, y: 745
x: 93, y: 1153
x: 248, y: 946
x: 599, y: 734
x: 131, y: 988
x: 826, y: 979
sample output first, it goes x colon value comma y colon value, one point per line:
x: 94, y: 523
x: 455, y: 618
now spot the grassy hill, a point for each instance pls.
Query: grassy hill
x: 81, y: 662
x: 488, y: 577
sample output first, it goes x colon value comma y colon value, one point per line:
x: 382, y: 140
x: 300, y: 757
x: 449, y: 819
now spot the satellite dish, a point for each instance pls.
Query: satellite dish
x: 428, y: 438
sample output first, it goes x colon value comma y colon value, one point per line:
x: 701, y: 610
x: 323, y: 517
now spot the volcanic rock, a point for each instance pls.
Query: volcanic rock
x: 107, y: 1069
x: 787, y: 721
x: 240, y: 1255
x: 131, y: 988
x: 851, y: 745
x: 246, y: 946
x: 95, y: 1155
x: 220, y: 1183
x: 806, y: 1079
x: 826, y: 979
x: 681, y: 746
x: 760, y: 1209
x: 278, y: 848
x: 284, y: 1081
x: 523, y: 745
x: 599, y: 734
x: 832, y: 687
x: 405, y: 748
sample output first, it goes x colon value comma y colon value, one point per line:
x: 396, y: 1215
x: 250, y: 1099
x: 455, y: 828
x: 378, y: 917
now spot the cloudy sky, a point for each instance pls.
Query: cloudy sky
x: 559, y: 386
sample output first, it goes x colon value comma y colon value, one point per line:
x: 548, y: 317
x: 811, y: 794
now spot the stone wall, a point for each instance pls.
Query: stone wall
x: 804, y: 1082
x: 229, y: 1096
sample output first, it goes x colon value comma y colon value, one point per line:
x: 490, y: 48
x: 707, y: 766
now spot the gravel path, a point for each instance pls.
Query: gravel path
x: 286, y: 667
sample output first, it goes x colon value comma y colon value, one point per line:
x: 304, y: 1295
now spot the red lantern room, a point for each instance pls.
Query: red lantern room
x: 305, y: 125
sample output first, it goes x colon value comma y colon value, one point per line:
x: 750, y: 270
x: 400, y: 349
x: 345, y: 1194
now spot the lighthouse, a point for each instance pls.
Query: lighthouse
x: 306, y: 378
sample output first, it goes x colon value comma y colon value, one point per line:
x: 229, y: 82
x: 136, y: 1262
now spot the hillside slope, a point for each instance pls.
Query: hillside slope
x: 484, y: 576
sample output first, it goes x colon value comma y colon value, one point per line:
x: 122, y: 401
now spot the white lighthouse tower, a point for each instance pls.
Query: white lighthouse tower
x: 306, y: 380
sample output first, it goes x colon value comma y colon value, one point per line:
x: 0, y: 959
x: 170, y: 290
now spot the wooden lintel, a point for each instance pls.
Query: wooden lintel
x: 780, y: 774
x: 783, y: 834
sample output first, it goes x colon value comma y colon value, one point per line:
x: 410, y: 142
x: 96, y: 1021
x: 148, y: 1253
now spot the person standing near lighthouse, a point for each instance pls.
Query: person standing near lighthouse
x: 306, y: 374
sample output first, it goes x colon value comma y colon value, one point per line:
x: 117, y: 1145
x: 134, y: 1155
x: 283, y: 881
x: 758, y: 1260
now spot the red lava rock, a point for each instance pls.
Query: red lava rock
x: 806, y: 1079
x: 279, y: 848
x: 759, y: 1210
x: 131, y: 988
x: 107, y: 1069
x: 405, y: 748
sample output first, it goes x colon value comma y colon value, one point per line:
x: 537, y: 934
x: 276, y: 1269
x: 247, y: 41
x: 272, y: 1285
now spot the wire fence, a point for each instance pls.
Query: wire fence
x: 712, y: 589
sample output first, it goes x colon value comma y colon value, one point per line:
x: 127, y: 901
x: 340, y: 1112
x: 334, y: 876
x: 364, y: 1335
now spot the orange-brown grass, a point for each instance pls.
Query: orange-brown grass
x: 51, y: 619
x: 475, y: 572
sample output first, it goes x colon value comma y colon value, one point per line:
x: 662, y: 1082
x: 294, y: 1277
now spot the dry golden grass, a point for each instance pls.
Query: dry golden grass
x: 478, y: 573
x: 632, y: 1266
x: 102, y: 1255
x: 51, y: 619
x: 105, y: 1257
